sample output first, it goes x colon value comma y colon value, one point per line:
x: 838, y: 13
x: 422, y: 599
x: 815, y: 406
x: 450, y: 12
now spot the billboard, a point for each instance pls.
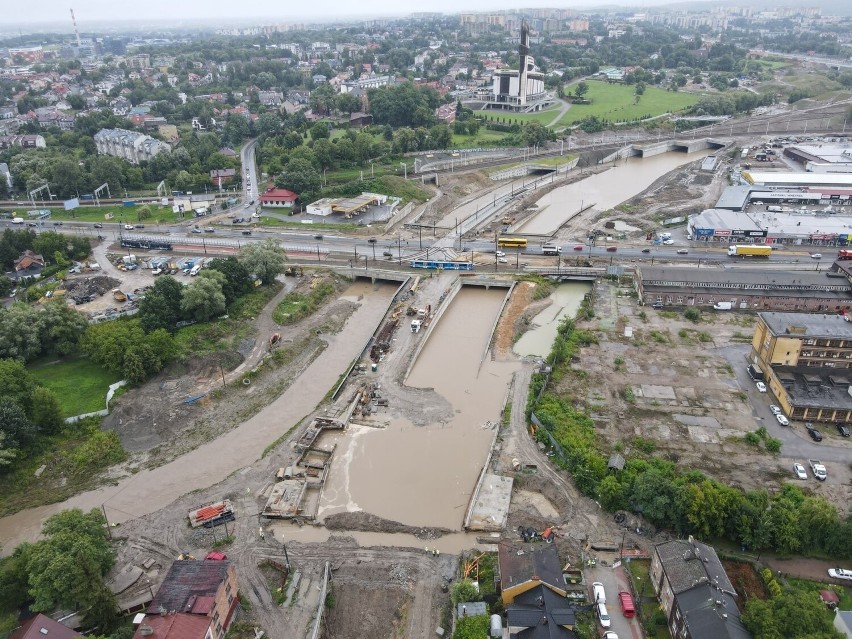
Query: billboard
x: 71, y: 204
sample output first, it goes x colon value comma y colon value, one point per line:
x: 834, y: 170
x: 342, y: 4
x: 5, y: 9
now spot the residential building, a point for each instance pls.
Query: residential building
x: 744, y: 289
x: 196, y: 600
x: 278, y: 198
x: 26, y: 55
x: 26, y: 141
x: 371, y: 82
x: 129, y: 145
x: 222, y: 176
x: 695, y: 593
x: 7, y: 113
x: 42, y: 627
x: 446, y: 113
x: 805, y: 360
x: 270, y: 98
x: 360, y: 120
x: 526, y: 568
x: 28, y: 261
x: 540, y: 613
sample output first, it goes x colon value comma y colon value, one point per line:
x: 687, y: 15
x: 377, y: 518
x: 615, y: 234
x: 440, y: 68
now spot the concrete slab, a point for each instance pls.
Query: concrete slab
x: 491, y: 509
x: 653, y: 391
x: 697, y: 420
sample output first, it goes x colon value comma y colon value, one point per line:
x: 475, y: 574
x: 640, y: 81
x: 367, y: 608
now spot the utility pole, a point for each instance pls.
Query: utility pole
x: 109, y: 531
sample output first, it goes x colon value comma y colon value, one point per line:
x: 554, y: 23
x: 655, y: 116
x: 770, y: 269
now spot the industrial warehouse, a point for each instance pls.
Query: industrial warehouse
x: 743, y: 289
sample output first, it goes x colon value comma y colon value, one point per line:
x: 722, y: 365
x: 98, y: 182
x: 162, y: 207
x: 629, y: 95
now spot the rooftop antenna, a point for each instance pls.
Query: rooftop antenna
x: 76, y: 30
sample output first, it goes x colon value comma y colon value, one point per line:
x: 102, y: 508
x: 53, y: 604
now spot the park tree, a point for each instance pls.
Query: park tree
x: 67, y: 177
x: 237, y: 277
x: 18, y: 430
x: 264, y: 259
x: 440, y: 136
x: 300, y: 176
x: 6, y: 456
x: 320, y: 131
x: 792, y: 615
x: 123, y: 347
x: 581, y: 89
x: 67, y: 567
x: 268, y: 124
x: 203, y: 299
x: 16, y: 384
x: 50, y: 243
x: 347, y: 103
x: 60, y: 327
x: 536, y: 134
x: 46, y: 413
x: 19, y: 333
x: 160, y: 308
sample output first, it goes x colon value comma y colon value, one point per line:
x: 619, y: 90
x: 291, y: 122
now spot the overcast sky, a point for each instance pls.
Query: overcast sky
x: 93, y: 11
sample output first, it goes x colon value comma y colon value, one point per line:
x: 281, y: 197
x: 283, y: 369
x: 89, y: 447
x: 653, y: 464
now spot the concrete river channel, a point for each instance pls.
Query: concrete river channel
x: 419, y: 475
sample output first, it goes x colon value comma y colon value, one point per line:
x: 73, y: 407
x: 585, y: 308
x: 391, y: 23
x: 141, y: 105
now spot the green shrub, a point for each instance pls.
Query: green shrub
x: 692, y: 314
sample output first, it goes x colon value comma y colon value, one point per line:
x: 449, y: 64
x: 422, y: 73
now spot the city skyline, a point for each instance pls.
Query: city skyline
x: 97, y: 12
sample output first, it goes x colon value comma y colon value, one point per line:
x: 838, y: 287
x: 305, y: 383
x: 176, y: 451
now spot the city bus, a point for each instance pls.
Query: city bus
x: 512, y: 242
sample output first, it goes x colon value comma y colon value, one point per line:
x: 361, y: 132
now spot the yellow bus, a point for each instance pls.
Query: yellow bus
x: 512, y: 242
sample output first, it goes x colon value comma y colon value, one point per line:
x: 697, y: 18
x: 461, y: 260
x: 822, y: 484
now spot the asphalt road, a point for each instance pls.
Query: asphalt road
x: 797, y: 444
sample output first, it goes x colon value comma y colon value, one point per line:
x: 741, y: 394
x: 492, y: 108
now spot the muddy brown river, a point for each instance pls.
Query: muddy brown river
x: 150, y: 490
x: 604, y: 190
x: 424, y: 475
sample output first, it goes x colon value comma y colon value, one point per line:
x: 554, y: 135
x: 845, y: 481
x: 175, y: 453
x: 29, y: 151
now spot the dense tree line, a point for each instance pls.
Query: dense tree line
x: 404, y: 105
x: 683, y: 501
x: 26, y: 411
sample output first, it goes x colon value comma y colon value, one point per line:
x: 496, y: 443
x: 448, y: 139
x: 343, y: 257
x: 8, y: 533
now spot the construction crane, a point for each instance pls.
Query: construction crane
x: 76, y: 30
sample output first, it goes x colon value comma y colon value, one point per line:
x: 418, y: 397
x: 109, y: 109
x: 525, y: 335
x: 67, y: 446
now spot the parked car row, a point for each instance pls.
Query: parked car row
x: 628, y: 607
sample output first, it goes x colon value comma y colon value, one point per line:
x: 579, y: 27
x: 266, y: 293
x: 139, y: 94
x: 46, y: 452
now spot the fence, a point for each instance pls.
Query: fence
x: 98, y: 413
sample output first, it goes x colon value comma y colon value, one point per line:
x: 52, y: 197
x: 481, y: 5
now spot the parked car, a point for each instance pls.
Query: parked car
x: 840, y: 573
x: 782, y: 420
x: 776, y: 410
x: 761, y: 387
x: 500, y: 254
x: 598, y: 592
x: 800, y: 471
x: 603, y: 615
x: 502, y: 260
x: 814, y: 433
x: 668, y: 242
x: 843, y: 430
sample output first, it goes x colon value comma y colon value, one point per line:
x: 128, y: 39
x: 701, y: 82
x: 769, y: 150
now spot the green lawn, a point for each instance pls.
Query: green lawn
x: 164, y: 215
x: 543, y: 117
x: 483, y: 138
x: 79, y: 383
x: 618, y: 102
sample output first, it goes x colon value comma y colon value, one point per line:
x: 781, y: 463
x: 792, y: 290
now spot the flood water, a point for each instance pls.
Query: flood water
x: 564, y: 302
x: 605, y: 190
x: 150, y: 490
x: 424, y: 475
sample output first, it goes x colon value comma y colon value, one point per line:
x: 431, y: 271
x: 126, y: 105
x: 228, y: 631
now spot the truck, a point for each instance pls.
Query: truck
x: 818, y: 469
x: 844, y: 254
x: 749, y: 250
x: 723, y: 306
x: 551, y: 249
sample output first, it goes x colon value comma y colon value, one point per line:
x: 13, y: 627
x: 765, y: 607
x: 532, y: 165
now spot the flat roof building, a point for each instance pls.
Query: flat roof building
x: 781, y: 179
x: 806, y: 359
x: 744, y: 289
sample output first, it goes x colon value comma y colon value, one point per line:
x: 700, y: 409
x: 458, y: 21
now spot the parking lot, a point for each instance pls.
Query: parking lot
x: 614, y: 580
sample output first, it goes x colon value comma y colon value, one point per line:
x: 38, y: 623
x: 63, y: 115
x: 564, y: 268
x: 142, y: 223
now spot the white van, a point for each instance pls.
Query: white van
x: 598, y: 592
x: 195, y: 270
x: 17, y: 220
x: 603, y: 615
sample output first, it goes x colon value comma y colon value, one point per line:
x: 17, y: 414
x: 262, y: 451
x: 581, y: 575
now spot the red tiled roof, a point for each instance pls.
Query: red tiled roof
x: 203, y: 605
x: 32, y: 629
x: 177, y: 626
x: 278, y: 195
